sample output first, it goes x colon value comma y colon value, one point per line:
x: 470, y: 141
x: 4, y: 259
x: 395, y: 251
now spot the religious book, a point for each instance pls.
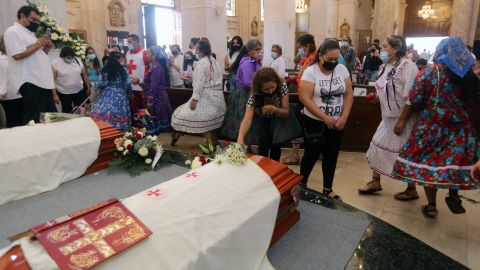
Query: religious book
x: 90, y: 236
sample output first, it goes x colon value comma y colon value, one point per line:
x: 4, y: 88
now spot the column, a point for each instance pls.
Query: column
x: 384, y: 19
x: 320, y: 19
x: 279, y: 28
x: 463, y: 23
x: 205, y: 18
x: 346, y: 10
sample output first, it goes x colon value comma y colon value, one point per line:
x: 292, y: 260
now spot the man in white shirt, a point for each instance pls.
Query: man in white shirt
x: 278, y: 62
x: 176, y: 66
x: 29, y: 71
x: 137, y: 65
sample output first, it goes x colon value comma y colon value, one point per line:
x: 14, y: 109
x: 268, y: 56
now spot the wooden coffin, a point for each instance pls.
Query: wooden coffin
x: 106, y: 151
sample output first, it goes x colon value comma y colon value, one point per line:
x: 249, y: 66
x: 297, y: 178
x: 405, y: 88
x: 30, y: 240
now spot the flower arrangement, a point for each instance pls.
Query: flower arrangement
x: 59, y: 36
x: 137, y: 152
x: 233, y: 153
x: 51, y: 117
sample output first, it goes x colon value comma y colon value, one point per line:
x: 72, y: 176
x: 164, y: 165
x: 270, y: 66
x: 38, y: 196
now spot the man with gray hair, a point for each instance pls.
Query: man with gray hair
x: 348, y: 53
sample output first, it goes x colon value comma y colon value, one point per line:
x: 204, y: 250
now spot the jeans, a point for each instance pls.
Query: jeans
x: 71, y: 100
x: 371, y: 75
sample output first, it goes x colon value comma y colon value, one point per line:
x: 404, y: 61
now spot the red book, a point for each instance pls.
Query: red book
x: 88, y: 237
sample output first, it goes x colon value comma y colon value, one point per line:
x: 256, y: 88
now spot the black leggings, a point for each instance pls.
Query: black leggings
x: 329, y: 149
x: 68, y: 99
x: 265, y: 146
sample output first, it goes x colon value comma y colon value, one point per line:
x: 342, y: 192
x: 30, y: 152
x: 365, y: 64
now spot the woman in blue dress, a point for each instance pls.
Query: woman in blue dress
x: 112, y: 104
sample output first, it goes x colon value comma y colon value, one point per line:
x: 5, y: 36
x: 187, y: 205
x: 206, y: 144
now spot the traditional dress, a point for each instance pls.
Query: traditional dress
x: 137, y: 65
x: 208, y: 91
x: 237, y: 100
x: 393, y: 87
x: 158, y: 103
x: 443, y: 147
x: 112, y: 103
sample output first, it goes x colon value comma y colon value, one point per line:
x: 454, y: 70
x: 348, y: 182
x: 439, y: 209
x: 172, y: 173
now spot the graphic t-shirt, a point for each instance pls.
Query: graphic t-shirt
x: 328, y: 100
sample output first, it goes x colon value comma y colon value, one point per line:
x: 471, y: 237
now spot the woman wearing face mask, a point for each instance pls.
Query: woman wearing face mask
x: 205, y: 111
x: 245, y: 66
x: 69, y: 79
x: 157, y: 81
x: 393, y: 85
x: 268, y: 99
x: 233, y: 51
x: 278, y: 63
x: 187, y: 70
x: 306, y: 53
x: 176, y: 63
x: 326, y: 93
x: 93, y: 67
x: 443, y: 146
x: 112, y: 104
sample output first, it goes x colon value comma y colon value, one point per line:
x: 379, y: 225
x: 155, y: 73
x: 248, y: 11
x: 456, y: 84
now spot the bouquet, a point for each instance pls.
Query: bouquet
x: 232, y: 153
x: 51, y: 117
x: 138, y: 152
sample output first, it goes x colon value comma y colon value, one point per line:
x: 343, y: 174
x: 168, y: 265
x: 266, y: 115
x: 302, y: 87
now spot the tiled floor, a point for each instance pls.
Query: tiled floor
x: 457, y: 236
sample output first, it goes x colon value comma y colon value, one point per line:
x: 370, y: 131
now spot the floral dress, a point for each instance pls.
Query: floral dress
x: 112, y: 104
x: 443, y: 147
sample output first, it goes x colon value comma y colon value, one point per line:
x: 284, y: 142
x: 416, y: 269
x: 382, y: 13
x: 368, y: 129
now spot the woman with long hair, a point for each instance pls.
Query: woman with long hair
x: 245, y: 66
x: 234, y: 48
x: 112, y: 104
x: 205, y: 111
x: 393, y: 85
x: 187, y: 71
x: 93, y: 68
x: 268, y: 99
x: 443, y: 146
x: 157, y: 81
x: 326, y: 92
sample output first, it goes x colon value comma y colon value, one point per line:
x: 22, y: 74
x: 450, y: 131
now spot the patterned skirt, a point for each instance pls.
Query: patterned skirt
x: 112, y: 107
x: 386, y: 145
x: 236, y: 106
x: 439, y: 156
x: 161, y: 115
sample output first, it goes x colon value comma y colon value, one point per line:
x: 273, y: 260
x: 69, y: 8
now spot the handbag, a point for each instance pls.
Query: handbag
x: 286, y: 129
x: 318, y: 137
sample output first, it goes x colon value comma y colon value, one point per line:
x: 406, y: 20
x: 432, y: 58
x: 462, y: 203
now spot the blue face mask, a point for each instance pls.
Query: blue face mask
x: 130, y: 47
x: 384, y: 56
x: 91, y: 57
x: 301, y: 52
x: 274, y: 55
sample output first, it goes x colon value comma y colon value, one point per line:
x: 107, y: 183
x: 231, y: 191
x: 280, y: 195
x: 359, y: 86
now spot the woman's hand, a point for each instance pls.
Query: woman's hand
x: 56, y: 99
x: 193, y: 104
x: 329, y: 122
x: 399, y: 126
x: 135, y: 80
x: 340, y: 125
x: 268, y: 109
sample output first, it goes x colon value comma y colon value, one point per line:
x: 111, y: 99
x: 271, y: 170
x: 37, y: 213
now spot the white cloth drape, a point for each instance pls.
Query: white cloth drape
x: 35, y: 159
x: 221, y: 219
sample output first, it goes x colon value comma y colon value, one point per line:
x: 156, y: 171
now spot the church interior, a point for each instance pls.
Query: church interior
x: 239, y: 134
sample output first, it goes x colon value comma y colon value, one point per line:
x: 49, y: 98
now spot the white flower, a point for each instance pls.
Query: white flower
x: 120, y: 149
x: 65, y: 38
x: 127, y: 143
x: 148, y: 161
x: 31, y: 123
x: 154, y: 138
x: 196, y: 163
x: 54, y: 36
x: 149, y: 136
x: 143, y: 151
x: 125, y: 152
x: 128, y: 134
x: 188, y: 162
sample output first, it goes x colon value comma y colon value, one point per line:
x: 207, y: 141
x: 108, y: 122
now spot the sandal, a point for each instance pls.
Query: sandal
x: 291, y: 160
x: 175, y: 137
x: 371, y: 187
x: 430, y: 210
x: 332, y: 195
x: 454, y: 203
x: 406, y: 196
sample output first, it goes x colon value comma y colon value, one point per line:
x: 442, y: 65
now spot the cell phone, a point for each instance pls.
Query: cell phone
x: 49, y: 31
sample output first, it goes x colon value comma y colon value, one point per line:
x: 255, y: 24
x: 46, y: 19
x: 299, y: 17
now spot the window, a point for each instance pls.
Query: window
x: 162, y: 3
x: 262, y: 11
x: 231, y: 8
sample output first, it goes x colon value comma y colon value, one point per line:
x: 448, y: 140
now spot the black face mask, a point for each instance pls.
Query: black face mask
x: 33, y: 27
x: 329, y: 65
x: 175, y: 53
x: 236, y: 47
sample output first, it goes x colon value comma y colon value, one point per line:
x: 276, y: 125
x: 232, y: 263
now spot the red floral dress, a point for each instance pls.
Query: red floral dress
x: 443, y: 146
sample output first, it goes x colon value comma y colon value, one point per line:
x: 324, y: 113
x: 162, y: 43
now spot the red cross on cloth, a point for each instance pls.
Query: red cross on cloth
x: 131, y: 67
x: 192, y: 175
x: 154, y: 192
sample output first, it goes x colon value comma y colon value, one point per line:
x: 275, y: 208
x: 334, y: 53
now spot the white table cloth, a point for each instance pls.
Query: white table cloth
x: 35, y: 159
x: 216, y: 217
